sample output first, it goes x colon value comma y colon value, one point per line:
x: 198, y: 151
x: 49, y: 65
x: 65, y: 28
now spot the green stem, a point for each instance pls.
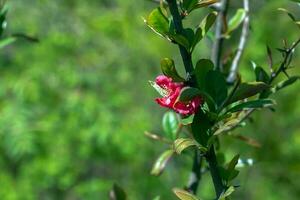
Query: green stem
x: 185, y: 54
x: 214, y: 171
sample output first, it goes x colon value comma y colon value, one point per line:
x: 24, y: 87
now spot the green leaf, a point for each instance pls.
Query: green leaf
x: 204, y: 27
x: 227, y: 193
x: 248, y: 89
x: 170, y: 123
x: 203, y: 66
x: 216, y: 86
x: 207, y: 23
x: 205, y: 3
x: 285, y: 83
x: 158, y: 22
x: 200, y: 128
x: 161, y: 162
x: 234, y: 161
x: 261, y: 75
x: 188, y: 120
x: 160, y: 90
x: 189, y: 35
x: 236, y: 20
x: 227, y: 126
x: 168, y: 69
x: 157, y: 198
x: 184, y: 195
x: 183, y: 143
x: 117, y: 193
x: 181, y: 40
x: 255, y: 104
x: 189, y: 93
x: 7, y: 41
x: 189, y: 4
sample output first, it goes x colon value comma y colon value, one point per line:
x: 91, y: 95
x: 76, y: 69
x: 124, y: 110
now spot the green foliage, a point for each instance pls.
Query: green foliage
x: 168, y: 69
x: 184, y: 195
x: 170, y: 124
x: 73, y: 107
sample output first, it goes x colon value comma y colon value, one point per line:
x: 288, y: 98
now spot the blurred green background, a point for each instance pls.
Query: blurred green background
x: 73, y: 108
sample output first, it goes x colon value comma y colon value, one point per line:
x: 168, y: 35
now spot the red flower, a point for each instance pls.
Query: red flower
x: 170, y: 100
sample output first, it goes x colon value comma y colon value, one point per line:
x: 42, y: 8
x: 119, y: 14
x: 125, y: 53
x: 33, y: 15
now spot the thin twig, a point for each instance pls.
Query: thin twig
x: 219, y: 38
x: 242, y: 44
x: 288, y: 53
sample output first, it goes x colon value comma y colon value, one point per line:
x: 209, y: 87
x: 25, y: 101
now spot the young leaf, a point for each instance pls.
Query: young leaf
x: 255, y: 104
x: 204, y: 3
x: 161, y: 162
x: 204, y: 27
x: 183, y: 143
x: 236, y: 20
x: 216, y: 88
x: 158, y: 22
x: 234, y: 161
x: 261, y: 75
x: 188, y: 120
x: 249, y: 89
x: 7, y: 41
x: 184, y: 195
x: 227, y: 193
x: 170, y: 123
x: 168, y: 69
x: 117, y: 193
x: 285, y: 83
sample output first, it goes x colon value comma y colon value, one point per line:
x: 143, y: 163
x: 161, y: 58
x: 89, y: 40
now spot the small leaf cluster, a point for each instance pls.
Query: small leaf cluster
x: 226, y: 106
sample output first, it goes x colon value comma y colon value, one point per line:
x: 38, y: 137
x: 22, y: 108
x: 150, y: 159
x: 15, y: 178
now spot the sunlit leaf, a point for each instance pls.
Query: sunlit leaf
x: 161, y: 162
x: 168, y: 69
x: 204, y: 27
x: 227, y: 193
x: 187, y: 120
x: 184, y: 195
x: 158, y: 22
x: 183, y: 143
x: 236, y: 20
x: 7, y: 41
